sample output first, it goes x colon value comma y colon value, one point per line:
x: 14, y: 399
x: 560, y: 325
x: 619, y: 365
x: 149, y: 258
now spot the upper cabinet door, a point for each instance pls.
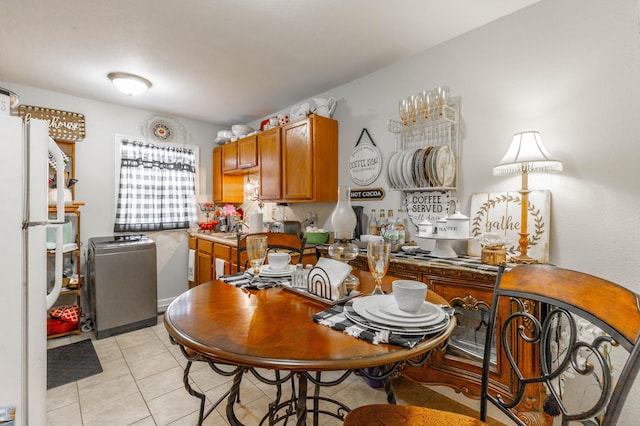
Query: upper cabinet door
x: 269, y: 153
x: 248, y: 152
x: 297, y: 160
x: 230, y: 156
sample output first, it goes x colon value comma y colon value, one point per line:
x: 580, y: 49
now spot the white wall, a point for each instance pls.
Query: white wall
x: 96, y: 169
x: 569, y: 69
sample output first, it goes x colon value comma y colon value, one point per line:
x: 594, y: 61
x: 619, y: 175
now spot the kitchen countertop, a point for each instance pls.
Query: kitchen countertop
x: 230, y: 239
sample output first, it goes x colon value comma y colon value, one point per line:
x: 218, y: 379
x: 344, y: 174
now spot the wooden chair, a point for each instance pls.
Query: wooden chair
x: 550, y: 309
x: 276, y: 241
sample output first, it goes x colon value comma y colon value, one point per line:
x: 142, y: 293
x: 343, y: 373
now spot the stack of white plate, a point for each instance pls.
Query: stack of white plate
x: 432, y: 166
x: 268, y: 271
x: 381, y: 312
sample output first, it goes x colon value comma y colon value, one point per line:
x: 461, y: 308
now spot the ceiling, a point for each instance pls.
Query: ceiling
x: 223, y: 61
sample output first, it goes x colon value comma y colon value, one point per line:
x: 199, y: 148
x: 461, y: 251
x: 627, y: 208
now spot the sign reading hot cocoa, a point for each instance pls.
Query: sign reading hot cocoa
x: 63, y: 125
x: 367, y: 194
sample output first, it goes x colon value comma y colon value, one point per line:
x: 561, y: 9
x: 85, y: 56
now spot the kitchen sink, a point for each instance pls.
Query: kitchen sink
x: 225, y: 235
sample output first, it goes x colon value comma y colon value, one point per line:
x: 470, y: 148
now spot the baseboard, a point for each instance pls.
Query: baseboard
x: 163, y: 304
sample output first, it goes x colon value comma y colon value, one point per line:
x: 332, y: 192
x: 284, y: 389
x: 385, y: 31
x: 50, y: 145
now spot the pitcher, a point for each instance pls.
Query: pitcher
x: 325, y: 107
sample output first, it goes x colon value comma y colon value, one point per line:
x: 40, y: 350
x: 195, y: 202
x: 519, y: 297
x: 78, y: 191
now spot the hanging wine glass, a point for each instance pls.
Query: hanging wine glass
x: 378, y: 254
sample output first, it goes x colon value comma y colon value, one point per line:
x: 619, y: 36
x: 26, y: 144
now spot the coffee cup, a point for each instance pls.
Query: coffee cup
x: 409, y: 294
x: 278, y: 261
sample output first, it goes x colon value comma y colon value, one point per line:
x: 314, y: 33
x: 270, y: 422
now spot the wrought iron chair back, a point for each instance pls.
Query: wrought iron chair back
x: 556, y: 310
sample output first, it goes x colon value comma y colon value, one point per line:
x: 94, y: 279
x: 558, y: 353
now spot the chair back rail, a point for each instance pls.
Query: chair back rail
x: 560, y: 295
x: 276, y: 241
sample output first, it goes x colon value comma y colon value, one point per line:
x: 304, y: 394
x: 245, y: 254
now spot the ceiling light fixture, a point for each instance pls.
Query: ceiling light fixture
x: 129, y: 84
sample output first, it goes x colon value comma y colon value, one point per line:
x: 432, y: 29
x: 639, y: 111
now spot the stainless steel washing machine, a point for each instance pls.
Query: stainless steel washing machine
x: 122, y: 283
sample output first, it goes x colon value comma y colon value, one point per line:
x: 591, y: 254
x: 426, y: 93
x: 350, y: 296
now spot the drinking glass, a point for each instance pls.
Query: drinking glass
x: 256, y: 251
x: 378, y: 253
x: 403, y: 110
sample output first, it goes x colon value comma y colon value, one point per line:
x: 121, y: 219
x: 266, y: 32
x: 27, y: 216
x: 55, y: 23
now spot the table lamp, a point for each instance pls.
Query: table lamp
x: 527, y: 154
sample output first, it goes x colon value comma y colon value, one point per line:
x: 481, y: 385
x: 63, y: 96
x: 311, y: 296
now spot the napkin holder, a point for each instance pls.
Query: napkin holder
x: 319, y: 283
x: 318, y: 287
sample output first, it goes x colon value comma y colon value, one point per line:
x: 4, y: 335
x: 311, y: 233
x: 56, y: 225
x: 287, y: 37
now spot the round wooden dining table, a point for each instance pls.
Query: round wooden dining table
x: 236, y: 330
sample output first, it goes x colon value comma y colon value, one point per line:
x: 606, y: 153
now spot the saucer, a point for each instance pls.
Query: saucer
x: 390, y: 307
x: 368, y: 307
x: 267, y: 271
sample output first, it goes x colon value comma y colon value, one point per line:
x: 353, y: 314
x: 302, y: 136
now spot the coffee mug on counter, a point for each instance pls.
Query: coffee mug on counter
x: 278, y: 261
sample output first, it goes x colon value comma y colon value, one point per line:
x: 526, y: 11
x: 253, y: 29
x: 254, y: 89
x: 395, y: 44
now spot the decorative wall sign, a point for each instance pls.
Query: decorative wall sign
x: 427, y: 205
x: 500, y: 213
x: 365, y: 162
x: 163, y: 129
x: 367, y: 194
x: 63, y: 125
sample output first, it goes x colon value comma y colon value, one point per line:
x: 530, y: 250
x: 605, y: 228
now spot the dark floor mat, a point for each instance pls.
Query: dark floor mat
x: 69, y: 363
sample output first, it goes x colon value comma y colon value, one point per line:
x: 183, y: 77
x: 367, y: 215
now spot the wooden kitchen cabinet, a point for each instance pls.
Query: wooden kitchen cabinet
x: 270, y: 160
x: 310, y: 160
x: 248, y: 153
x: 230, y: 156
x: 241, y: 156
x: 299, y: 161
x: 227, y: 188
x: 204, y: 261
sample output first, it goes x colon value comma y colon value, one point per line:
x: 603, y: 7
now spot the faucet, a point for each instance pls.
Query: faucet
x: 238, y: 227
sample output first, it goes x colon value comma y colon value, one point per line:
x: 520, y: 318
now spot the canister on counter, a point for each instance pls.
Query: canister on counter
x: 493, y: 255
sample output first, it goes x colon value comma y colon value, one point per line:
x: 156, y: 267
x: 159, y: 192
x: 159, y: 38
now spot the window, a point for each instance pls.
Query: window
x: 156, y: 189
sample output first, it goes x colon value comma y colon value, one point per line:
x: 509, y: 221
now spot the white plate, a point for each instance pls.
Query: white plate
x: 429, y: 167
x: 444, y: 165
x: 428, y: 311
x: 266, y: 271
x: 391, y: 171
x: 398, y: 169
x: 351, y: 314
x: 368, y: 308
x: 417, y: 173
x: 408, y: 168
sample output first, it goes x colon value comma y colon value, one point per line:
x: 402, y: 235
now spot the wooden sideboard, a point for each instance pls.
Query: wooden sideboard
x: 468, y: 286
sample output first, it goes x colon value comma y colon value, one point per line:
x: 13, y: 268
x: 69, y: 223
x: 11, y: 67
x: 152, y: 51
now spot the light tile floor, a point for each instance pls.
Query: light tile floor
x: 141, y: 384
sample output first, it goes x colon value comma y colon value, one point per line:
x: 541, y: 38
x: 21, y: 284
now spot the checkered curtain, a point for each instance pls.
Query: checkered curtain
x: 157, y: 188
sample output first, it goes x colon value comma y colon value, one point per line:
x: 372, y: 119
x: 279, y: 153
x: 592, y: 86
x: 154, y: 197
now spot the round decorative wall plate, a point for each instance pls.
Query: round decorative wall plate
x: 161, y: 130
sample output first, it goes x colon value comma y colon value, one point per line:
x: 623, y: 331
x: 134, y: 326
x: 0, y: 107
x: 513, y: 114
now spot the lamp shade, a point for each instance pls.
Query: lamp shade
x: 129, y: 84
x: 527, y: 153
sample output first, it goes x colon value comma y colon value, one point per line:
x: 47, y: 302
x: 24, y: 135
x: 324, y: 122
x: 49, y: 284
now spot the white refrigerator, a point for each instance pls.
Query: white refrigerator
x: 24, y: 296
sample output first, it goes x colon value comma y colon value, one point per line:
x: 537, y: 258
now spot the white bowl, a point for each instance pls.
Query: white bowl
x: 226, y: 134
x: 241, y: 130
x: 409, y: 294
